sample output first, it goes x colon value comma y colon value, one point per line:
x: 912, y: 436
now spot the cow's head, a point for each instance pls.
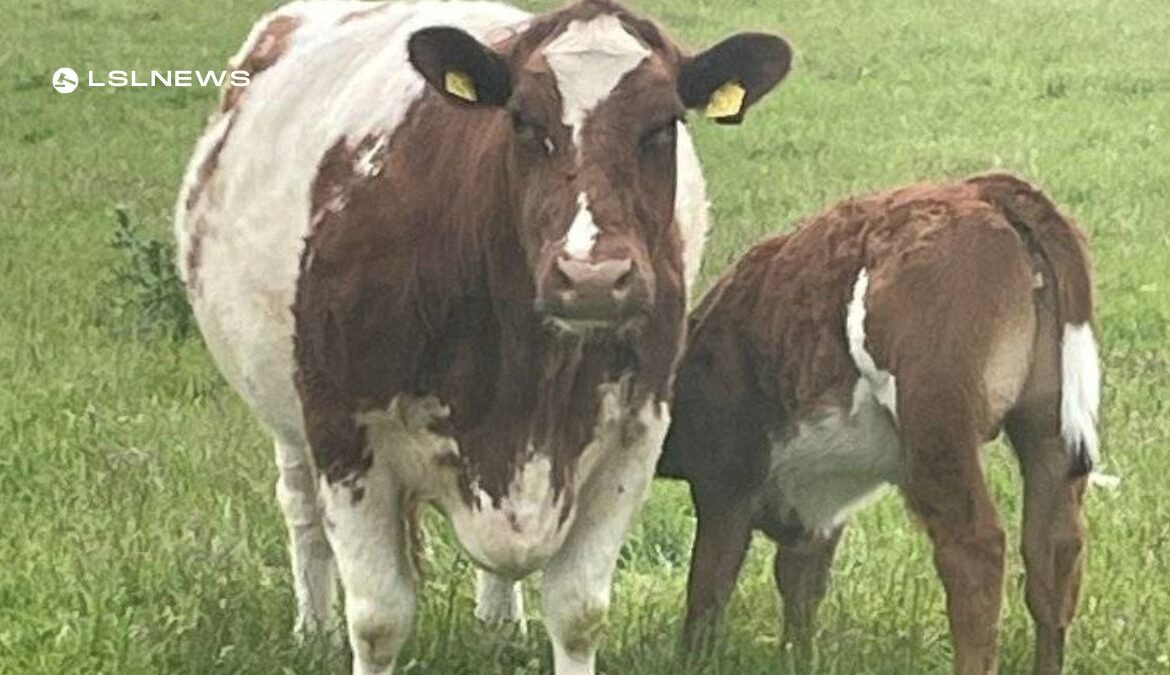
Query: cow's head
x: 592, y: 98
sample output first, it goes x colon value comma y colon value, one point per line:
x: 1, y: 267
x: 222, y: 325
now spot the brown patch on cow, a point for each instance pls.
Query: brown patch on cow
x: 203, y: 177
x: 363, y: 13
x: 953, y: 312
x: 430, y: 291
x: 272, y: 43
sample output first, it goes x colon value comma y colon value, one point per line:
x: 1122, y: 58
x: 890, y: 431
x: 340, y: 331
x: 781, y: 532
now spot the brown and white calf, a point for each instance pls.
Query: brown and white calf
x: 884, y: 342
x: 442, y: 250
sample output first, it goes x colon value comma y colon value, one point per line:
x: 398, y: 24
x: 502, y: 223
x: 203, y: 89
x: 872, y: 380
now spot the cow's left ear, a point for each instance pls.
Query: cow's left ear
x: 460, y: 67
x: 728, y: 78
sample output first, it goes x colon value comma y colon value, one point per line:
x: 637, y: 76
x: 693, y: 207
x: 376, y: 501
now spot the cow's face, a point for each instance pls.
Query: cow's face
x: 593, y: 101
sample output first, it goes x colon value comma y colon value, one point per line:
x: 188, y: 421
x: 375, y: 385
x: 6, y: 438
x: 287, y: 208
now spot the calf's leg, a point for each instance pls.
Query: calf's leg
x: 722, y: 536
x: 1053, y: 535
x: 801, y: 569
x: 945, y: 487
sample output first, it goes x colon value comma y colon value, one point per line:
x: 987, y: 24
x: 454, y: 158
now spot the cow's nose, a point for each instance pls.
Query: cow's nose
x: 596, y: 282
x: 594, y: 290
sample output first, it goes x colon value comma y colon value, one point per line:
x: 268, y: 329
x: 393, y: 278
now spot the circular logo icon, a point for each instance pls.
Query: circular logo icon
x: 65, y: 80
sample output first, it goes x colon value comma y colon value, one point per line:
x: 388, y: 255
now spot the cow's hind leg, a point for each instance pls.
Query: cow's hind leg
x: 498, y: 601
x: 313, y: 569
x: 945, y: 487
x: 367, y: 526
x: 802, y: 567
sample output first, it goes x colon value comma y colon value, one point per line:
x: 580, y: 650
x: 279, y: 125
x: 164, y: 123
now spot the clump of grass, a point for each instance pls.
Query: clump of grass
x: 143, y: 295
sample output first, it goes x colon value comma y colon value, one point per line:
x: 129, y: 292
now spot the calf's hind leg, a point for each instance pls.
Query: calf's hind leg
x: 945, y: 487
x: 1053, y: 531
x: 1053, y: 539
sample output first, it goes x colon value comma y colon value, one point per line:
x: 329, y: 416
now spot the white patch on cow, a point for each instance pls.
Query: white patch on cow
x: 690, y: 206
x: 335, y: 82
x: 588, y: 60
x: 499, y: 601
x: 583, y: 231
x: 617, y: 469
x: 880, y: 383
x: 835, y: 463
x: 517, y: 535
x: 184, y: 221
x: 1080, y: 389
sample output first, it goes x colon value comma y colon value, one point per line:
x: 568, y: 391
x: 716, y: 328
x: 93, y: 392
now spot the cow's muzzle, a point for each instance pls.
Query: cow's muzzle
x: 594, y: 294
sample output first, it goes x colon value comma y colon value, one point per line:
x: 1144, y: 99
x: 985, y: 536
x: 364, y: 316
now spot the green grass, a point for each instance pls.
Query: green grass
x: 140, y: 531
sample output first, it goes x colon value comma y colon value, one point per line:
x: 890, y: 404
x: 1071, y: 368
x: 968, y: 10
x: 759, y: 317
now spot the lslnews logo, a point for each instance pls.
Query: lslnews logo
x: 66, y: 80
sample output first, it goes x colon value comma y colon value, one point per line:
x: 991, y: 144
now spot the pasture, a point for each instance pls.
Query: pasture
x: 141, y: 534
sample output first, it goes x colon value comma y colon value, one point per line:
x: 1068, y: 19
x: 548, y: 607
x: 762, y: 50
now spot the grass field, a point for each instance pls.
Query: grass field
x: 141, y: 534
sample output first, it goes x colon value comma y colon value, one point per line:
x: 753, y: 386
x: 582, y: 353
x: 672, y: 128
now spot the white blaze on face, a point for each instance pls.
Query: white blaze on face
x: 583, y: 231
x: 588, y: 60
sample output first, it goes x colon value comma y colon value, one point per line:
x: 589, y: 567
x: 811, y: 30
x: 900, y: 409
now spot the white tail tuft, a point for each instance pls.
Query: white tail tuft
x: 1080, y: 392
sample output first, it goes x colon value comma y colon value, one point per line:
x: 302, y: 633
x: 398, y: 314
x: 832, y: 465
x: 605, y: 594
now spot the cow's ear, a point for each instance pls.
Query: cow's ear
x: 460, y: 67
x: 728, y: 78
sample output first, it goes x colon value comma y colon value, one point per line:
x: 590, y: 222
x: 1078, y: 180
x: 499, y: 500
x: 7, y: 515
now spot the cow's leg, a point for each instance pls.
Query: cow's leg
x: 722, y: 535
x: 499, y: 601
x: 801, y: 569
x: 313, y: 569
x: 946, y: 488
x: 576, y: 583
x: 1053, y: 533
x: 367, y: 526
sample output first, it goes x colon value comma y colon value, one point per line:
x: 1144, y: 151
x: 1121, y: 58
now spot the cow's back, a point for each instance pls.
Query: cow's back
x: 321, y: 72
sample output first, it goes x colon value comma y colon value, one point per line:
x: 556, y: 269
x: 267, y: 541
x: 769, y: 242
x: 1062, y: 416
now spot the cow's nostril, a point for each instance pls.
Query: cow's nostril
x: 624, y: 281
x: 561, y: 276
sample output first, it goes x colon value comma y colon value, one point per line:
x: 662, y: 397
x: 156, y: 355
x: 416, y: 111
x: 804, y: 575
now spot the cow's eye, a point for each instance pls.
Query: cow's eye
x: 531, y: 133
x: 659, y: 137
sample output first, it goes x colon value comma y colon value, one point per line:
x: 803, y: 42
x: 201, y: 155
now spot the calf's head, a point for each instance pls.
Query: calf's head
x: 590, y: 100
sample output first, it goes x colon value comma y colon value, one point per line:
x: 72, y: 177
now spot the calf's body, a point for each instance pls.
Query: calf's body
x: 883, y: 343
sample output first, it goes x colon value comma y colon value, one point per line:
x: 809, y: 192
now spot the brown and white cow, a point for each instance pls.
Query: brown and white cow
x: 443, y: 250
x: 884, y: 342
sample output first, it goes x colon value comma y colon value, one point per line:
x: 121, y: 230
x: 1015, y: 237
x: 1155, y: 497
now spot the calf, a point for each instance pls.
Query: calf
x: 442, y: 250
x: 884, y: 342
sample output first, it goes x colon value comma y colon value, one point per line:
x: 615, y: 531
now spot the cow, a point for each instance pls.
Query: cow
x: 442, y: 250
x: 883, y: 342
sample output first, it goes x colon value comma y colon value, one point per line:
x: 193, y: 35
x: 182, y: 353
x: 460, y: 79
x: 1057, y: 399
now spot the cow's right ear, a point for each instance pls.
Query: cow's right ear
x: 460, y: 67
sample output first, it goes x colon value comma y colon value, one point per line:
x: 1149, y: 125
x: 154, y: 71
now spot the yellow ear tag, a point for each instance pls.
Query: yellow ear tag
x: 726, y: 101
x: 459, y: 83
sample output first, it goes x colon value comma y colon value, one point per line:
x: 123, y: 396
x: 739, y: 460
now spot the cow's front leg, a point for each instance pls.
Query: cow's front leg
x: 366, y: 524
x: 576, y: 585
